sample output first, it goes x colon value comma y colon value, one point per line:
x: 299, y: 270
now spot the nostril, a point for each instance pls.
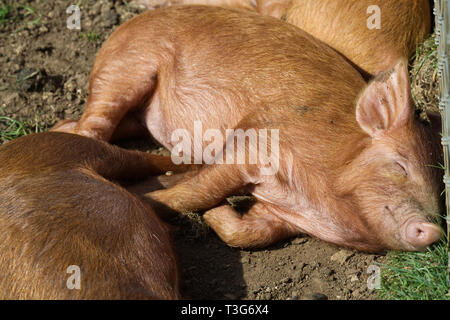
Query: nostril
x: 422, y: 234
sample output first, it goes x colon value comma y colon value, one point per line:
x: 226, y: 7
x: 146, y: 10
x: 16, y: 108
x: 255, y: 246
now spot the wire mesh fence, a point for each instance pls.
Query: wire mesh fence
x: 442, y: 31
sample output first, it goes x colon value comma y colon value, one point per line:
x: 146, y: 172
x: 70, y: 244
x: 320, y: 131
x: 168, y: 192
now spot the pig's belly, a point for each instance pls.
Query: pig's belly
x: 155, y: 121
x: 162, y: 119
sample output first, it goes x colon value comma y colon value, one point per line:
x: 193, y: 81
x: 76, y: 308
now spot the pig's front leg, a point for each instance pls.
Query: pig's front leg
x: 208, y: 187
x: 160, y: 182
x: 257, y: 228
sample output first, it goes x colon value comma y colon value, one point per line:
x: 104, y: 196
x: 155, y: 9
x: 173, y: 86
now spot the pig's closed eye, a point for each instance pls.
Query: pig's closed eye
x: 400, y: 168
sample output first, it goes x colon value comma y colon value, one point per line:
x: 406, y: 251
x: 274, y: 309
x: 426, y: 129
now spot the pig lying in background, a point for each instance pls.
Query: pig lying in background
x: 344, y: 25
x: 59, y: 210
x: 355, y: 166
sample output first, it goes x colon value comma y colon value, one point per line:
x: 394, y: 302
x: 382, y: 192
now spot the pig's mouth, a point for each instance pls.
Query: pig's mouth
x: 418, y: 233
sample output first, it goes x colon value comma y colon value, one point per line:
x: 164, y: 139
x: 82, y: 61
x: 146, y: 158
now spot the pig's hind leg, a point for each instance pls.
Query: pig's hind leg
x: 206, y: 188
x: 117, y: 96
x: 257, y: 228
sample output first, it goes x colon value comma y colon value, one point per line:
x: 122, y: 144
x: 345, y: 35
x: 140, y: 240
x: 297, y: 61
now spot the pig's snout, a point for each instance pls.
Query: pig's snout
x: 420, y: 234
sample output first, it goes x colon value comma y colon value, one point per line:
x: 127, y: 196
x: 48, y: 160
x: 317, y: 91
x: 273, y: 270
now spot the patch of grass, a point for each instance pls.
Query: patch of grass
x: 416, y: 275
x: 91, y: 36
x: 5, y: 9
x: 29, y: 11
x: 11, y: 11
x: 11, y: 129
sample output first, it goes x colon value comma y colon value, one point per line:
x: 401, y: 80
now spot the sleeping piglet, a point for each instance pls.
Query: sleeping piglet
x: 372, y: 34
x: 354, y: 166
x: 70, y: 232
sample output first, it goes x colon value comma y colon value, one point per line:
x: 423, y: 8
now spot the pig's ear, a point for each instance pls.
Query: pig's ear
x: 385, y: 103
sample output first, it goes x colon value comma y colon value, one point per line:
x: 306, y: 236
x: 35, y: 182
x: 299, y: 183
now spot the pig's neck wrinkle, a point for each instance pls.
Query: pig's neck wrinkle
x: 313, y: 207
x: 324, y: 226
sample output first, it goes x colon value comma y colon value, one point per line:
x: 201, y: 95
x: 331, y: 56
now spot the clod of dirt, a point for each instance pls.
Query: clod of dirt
x: 27, y: 79
x: 299, y: 241
x: 315, y: 296
x: 342, y: 256
x: 192, y: 226
x: 241, y: 203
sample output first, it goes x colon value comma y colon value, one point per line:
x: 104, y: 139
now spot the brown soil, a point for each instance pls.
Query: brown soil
x: 45, y: 71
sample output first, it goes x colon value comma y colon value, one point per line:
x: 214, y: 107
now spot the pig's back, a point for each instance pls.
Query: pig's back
x: 217, y: 65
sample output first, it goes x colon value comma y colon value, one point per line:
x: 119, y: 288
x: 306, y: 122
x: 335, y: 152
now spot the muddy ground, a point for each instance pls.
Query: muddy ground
x: 44, y: 78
